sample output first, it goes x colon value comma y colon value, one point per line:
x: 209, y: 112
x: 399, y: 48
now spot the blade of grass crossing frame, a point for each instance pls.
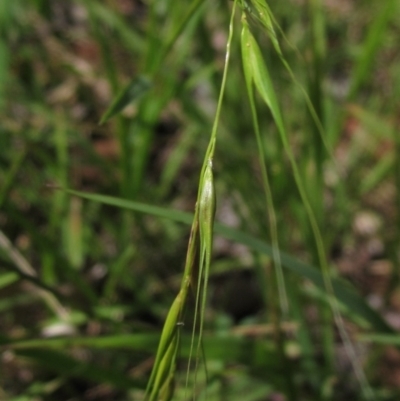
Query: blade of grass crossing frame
x: 342, y: 290
x: 264, y: 86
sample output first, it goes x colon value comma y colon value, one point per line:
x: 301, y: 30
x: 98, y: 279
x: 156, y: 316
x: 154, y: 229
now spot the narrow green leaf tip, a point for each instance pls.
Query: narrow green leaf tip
x: 132, y: 92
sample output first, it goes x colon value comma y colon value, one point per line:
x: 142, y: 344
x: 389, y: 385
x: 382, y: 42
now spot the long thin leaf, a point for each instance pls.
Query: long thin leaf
x: 343, y: 291
x: 227, y: 348
x: 132, y: 92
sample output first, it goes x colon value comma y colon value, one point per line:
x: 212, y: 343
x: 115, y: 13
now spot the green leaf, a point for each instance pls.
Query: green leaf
x: 144, y: 342
x: 372, y: 44
x: 344, y: 292
x: 254, y: 64
x: 133, y: 91
x: 8, y: 278
x: 383, y: 339
x: 227, y: 348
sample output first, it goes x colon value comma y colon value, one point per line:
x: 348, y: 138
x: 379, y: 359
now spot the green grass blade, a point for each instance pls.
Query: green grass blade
x: 267, y: 189
x: 343, y: 290
x: 7, y: 279
x: 383, y: 339
x: 138, y: 87
x: 371, y: 46
x: 205, y: 209
x: 129, y: 37
x: 228, y: 348
x: 175, y: 215
x: 166, y: 353
x: 263, y: 83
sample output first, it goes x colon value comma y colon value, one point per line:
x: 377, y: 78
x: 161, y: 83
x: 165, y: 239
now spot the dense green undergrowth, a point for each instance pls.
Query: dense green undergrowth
x: 118, y: 121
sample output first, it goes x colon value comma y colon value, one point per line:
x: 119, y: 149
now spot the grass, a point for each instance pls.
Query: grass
x: 257, y: 139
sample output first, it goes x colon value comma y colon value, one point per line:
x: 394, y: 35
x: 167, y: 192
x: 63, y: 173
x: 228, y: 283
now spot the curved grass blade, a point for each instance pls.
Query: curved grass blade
x: 343, y: 290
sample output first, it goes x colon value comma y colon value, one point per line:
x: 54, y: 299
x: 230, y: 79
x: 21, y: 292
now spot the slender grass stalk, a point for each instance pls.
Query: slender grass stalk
x: 195, y: 277
x: 261, y: 11
x: 268, y: 197
x: 205, y: 209
x: 263, y: 83
x: 277, y: 317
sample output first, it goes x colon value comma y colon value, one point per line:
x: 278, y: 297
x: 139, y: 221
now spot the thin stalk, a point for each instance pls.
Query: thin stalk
x: 273, y: 226
x: 263, y: 83
x: 277, y: 315
x: 195, y: 275
x: 206, y: 180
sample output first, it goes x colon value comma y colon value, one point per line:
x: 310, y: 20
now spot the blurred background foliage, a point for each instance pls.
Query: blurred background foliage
x: 85, y: 286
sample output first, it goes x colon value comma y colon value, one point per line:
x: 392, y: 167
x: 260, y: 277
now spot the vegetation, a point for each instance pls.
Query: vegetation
x: 199, y: 201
